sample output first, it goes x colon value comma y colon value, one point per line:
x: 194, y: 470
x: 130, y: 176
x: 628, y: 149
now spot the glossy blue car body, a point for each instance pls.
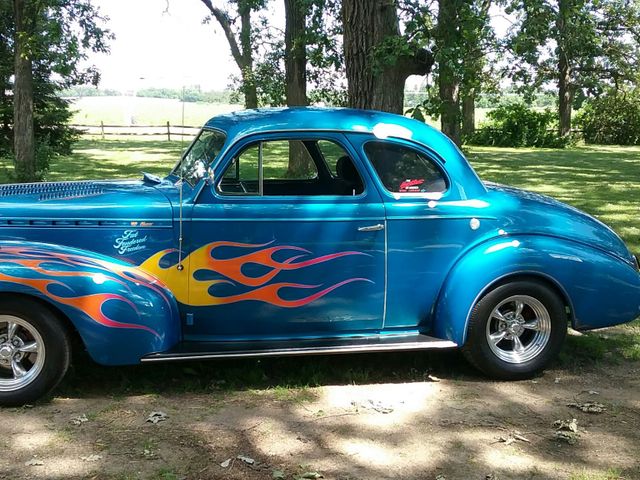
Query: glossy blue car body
x: 108, y: 257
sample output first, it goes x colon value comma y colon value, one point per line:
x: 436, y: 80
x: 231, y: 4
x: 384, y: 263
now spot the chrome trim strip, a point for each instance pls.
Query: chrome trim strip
x: 288, y: 219
x: 436, y: 344
x: 386, y: 274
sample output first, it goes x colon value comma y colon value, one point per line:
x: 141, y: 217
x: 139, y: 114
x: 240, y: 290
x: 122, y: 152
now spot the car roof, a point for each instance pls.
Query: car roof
x: 263, y: 120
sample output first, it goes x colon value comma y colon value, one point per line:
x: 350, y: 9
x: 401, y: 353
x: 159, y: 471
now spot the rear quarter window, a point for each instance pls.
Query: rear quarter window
x: 402, y: 169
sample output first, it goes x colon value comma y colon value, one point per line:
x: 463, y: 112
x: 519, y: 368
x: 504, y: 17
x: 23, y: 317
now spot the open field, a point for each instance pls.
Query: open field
x: 144, y: 111
x: 378, y: 416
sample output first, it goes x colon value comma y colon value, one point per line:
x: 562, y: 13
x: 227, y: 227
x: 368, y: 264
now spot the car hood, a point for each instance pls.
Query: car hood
x: 533, y: 213
x: 85, y: 201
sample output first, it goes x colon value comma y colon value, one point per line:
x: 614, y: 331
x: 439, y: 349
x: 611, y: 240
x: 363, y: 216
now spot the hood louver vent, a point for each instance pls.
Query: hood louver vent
x: 52, y: 191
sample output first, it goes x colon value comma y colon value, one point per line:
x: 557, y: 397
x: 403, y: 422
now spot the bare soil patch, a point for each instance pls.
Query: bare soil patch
x: 416, y: 417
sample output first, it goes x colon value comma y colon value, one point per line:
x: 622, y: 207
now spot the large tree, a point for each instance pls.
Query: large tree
x: 46, y: 42
x: 581, y: 45
x: 378, y: 57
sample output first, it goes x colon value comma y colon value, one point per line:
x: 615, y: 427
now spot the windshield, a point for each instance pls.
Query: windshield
x: 203, y: 151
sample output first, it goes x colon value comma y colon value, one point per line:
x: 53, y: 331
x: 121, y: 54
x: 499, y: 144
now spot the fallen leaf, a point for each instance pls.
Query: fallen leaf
x: 441, y: 476
x: 91, y: 458
x: 568, y: 437
x: 226, y: 463
x: 34, y: 462
x: 247, y: 460
x: 311, y: 475
x: 278, y: 474
x: 156, y: 417
x: 588, y: 407
x: 79, y: 420
x: 566, y: 425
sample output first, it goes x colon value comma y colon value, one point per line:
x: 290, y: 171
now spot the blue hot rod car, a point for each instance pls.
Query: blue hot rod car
x: 297, y: 231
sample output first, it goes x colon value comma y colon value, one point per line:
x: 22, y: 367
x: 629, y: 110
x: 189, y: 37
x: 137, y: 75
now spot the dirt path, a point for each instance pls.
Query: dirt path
x: 446, y: 422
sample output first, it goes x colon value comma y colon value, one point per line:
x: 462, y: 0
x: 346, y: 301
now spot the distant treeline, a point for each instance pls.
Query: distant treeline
x: 188, y: 94
x: 489, y: 100
x: 196, y: 94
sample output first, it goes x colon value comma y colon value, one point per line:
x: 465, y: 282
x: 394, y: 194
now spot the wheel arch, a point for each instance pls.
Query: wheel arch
x: 119, y: 311
x: 589, y: 282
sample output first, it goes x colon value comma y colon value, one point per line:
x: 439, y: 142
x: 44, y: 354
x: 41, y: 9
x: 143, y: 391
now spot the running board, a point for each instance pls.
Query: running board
x: 265, y: 348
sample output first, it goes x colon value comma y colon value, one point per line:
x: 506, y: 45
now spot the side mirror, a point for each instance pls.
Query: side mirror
x: 210, y: 177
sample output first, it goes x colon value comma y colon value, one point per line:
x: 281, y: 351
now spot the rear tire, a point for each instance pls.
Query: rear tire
x: 34, y: 351
x: 515, y: 330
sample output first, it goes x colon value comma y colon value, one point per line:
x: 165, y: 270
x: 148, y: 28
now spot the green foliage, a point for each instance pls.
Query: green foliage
x: 611, y: 119
x: 59, y: 35
x: 597, y: 38
x: 516, y: 125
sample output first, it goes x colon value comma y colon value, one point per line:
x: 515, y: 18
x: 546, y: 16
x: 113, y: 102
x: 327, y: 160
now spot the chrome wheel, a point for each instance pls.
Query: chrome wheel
x: 22, y: 353
x: 519, y: 329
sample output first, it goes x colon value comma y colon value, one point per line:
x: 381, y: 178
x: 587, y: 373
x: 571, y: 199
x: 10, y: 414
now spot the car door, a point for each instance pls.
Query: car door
x: 286, y: 243
x: 428, y: 225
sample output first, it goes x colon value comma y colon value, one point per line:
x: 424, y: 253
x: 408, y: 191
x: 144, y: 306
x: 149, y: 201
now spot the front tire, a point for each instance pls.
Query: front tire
x: 34, y: 351
x: 515, y: 330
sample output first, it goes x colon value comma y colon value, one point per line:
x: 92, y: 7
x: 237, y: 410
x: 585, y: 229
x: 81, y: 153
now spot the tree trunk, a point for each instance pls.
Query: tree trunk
x: 295, y: 63
x: 469, y: 113
x: 373, y: 83
x: 248, y: 75
x: 450, y: 110
x: 565, y: 89
x: 565, y: 96
x: 448, y: 81
x: 23, y: 131
x: 295, y: 56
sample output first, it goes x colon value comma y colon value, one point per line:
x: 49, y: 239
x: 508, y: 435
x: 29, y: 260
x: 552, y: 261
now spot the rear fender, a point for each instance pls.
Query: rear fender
x: 600, y: 290
x: 120, y: 312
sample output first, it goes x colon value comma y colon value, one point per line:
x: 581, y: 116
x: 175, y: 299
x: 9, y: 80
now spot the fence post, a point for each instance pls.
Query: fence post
x: 168, y: 131
x: 102, y: 129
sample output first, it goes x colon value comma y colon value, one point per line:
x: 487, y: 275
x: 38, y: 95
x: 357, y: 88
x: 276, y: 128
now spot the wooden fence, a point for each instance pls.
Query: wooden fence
x: 167, y: 130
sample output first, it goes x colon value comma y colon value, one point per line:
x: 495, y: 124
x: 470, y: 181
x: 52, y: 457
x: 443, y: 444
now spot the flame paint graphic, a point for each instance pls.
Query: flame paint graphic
x: 64, y: 269
x: 204, y: 260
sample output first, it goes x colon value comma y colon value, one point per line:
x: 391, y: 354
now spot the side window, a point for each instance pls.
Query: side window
x: 287, y: 160
x: 404, y: 170
x: 331, y: 152
x: 290, y: 168
x: 242, y: 176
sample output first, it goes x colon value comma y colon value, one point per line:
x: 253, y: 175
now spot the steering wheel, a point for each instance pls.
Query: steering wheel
x: 244, y: 188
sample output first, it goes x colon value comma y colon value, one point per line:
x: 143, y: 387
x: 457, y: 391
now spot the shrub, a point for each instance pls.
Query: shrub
x: 516, y: 125
x: 611, y: 119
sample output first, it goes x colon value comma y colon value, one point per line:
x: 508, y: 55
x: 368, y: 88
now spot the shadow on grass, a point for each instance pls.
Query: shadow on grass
x: 87, y: 379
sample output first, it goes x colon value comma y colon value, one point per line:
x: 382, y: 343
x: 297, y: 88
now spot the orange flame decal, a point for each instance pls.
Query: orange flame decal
x: 204, y: 260
x: 72, y: 267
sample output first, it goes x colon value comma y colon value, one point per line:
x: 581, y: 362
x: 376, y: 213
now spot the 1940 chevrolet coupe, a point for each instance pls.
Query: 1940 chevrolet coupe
x: 299, y: 231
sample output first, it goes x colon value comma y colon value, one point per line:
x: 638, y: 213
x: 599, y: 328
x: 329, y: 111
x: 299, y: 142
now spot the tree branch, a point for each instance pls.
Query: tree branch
x: 225, y: 23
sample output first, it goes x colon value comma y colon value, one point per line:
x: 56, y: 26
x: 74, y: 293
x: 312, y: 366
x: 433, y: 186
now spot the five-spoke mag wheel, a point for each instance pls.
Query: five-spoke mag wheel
x: 516, y: 329
x: 34, y: 350
x: 22, y: 353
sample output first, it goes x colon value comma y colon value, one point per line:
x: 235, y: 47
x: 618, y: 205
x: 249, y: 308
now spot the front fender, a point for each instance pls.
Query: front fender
x: 120, y: 312
x: 601, y: 290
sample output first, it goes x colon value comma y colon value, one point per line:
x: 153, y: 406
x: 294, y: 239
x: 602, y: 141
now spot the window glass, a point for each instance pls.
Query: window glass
x: 287, y: 160
x: 331, y: 152
x: 404, y: 170
x: 203, y: 151
x: 241, y: 177
x: 290, y: 168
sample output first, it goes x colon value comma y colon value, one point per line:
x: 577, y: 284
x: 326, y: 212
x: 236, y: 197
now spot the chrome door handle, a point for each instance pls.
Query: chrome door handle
x: 371, y: 228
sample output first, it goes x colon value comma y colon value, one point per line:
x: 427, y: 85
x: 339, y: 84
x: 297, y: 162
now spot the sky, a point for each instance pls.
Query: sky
x: 153, y: 48
x: 158, y: 48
